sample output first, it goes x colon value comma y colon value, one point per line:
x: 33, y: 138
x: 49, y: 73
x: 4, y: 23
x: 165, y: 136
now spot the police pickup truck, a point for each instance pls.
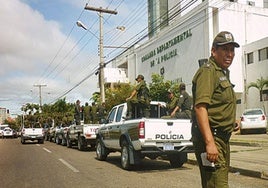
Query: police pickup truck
x: 82, y: 136
x: 144, y: 137
x: 32, y: 132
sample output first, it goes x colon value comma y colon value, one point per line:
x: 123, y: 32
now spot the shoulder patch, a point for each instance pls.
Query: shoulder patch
x: 207, y: 65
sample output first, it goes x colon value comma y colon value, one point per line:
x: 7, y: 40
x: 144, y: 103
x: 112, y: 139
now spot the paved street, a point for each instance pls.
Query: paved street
x: 51, y: 165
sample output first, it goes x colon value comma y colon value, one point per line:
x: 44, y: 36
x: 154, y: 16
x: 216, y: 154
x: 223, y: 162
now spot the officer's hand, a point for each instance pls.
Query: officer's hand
x: 212, y: 152
x: 237, y: 125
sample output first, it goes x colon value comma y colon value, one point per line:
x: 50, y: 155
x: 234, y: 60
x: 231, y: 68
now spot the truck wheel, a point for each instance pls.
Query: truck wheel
x: 177, y: 161
x: 68, y: 142
x: 22, y: 140
x: 101, y: 151
x: 63, y: 142
x: 125, y: 156
x: 41, y: 141
x: 80, y: 143
x: 57, y: 140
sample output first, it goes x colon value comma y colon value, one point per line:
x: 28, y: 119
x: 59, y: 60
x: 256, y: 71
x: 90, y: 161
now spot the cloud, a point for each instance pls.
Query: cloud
x: 29, y: 43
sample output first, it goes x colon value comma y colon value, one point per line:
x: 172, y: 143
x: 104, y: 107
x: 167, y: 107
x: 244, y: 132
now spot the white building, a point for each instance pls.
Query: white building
x: 180, y: 41
x: 255, y: 66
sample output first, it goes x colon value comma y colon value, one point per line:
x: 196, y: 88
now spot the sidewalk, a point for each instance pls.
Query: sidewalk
x: 249, y: 155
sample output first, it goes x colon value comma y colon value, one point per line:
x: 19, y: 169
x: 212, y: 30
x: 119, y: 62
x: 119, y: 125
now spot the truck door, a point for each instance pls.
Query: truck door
x: 115, y: 128
x: 105, y: 129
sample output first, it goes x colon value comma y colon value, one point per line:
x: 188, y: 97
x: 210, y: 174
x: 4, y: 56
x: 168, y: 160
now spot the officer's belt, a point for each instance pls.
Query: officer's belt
x: 224, y: 135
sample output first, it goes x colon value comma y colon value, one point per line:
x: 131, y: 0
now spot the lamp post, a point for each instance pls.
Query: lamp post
x: 101, y: 68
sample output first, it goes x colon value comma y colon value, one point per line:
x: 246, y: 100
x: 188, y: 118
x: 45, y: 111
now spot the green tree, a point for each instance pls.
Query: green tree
x: 159, y: 87
x: 259, y: 84
x: 117, y: 95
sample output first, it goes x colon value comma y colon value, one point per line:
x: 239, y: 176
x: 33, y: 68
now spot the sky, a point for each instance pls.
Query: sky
x: 42, y: 47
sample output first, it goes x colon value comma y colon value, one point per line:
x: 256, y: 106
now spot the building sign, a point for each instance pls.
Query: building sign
x: 164, y: 52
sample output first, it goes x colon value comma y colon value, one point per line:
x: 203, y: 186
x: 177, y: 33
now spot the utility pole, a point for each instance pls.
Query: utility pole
x: 101, y: 68
x: 40, y: 93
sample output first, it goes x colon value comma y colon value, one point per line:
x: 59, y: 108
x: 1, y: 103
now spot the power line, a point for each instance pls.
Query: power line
x: 175, y: 14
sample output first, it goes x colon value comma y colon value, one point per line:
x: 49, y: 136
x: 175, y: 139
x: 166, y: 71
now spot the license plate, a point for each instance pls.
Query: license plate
x: 33, y: 136
x: 168, y: 146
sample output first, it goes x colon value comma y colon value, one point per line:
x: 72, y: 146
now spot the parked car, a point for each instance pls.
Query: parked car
x: 253, y: 119
x: 8, y: 133
x: 2, y: 127
x: 32, y: 132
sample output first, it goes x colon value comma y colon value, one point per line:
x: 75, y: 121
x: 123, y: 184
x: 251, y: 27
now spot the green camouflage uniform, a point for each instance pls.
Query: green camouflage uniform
x: 171, y: 106
x: 211, y: 85
x: 94, y: 115
x: 86, y: 112
x: 185, y: 103
x: 139, y: 99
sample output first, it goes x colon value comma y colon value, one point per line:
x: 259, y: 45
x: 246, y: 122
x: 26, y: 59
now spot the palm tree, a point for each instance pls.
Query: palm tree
x: 259, y: 84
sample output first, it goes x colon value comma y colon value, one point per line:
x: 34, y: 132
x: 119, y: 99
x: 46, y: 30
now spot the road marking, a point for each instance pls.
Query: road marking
x: 68, y: 165
x: 47, y: 150
x: 37, y: 144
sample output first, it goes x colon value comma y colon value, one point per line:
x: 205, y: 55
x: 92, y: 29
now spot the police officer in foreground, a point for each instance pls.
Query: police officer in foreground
x: 214, y: 112
x: 138, y: 98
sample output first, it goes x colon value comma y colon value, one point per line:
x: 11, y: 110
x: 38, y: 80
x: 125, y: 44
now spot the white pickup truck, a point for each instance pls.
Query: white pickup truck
x: 144, y: 137
x: 33, y: 132
x: 82, y: 136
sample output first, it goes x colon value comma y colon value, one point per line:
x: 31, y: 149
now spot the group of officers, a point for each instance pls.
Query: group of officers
x: 178, y: 107
x: 90, y: 114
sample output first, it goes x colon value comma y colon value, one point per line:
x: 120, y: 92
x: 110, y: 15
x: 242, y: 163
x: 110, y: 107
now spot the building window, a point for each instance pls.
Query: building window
x: 250, y: 58
x: 263, y: 54
x: 265, y: 95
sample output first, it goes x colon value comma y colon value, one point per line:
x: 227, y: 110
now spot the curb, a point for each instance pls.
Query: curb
x: 252, y: 143
x: 245, y: 172
x: 239, y: 171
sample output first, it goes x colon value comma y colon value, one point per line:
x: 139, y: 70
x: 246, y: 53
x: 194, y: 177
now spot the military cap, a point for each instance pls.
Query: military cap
x: 140, y: 76
x: 223, y: 38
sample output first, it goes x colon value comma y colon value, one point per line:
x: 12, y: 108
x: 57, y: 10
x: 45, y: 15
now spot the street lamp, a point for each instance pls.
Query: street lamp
x: 101, y: 75
x: 80, y: 24
x: 101, y: 68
